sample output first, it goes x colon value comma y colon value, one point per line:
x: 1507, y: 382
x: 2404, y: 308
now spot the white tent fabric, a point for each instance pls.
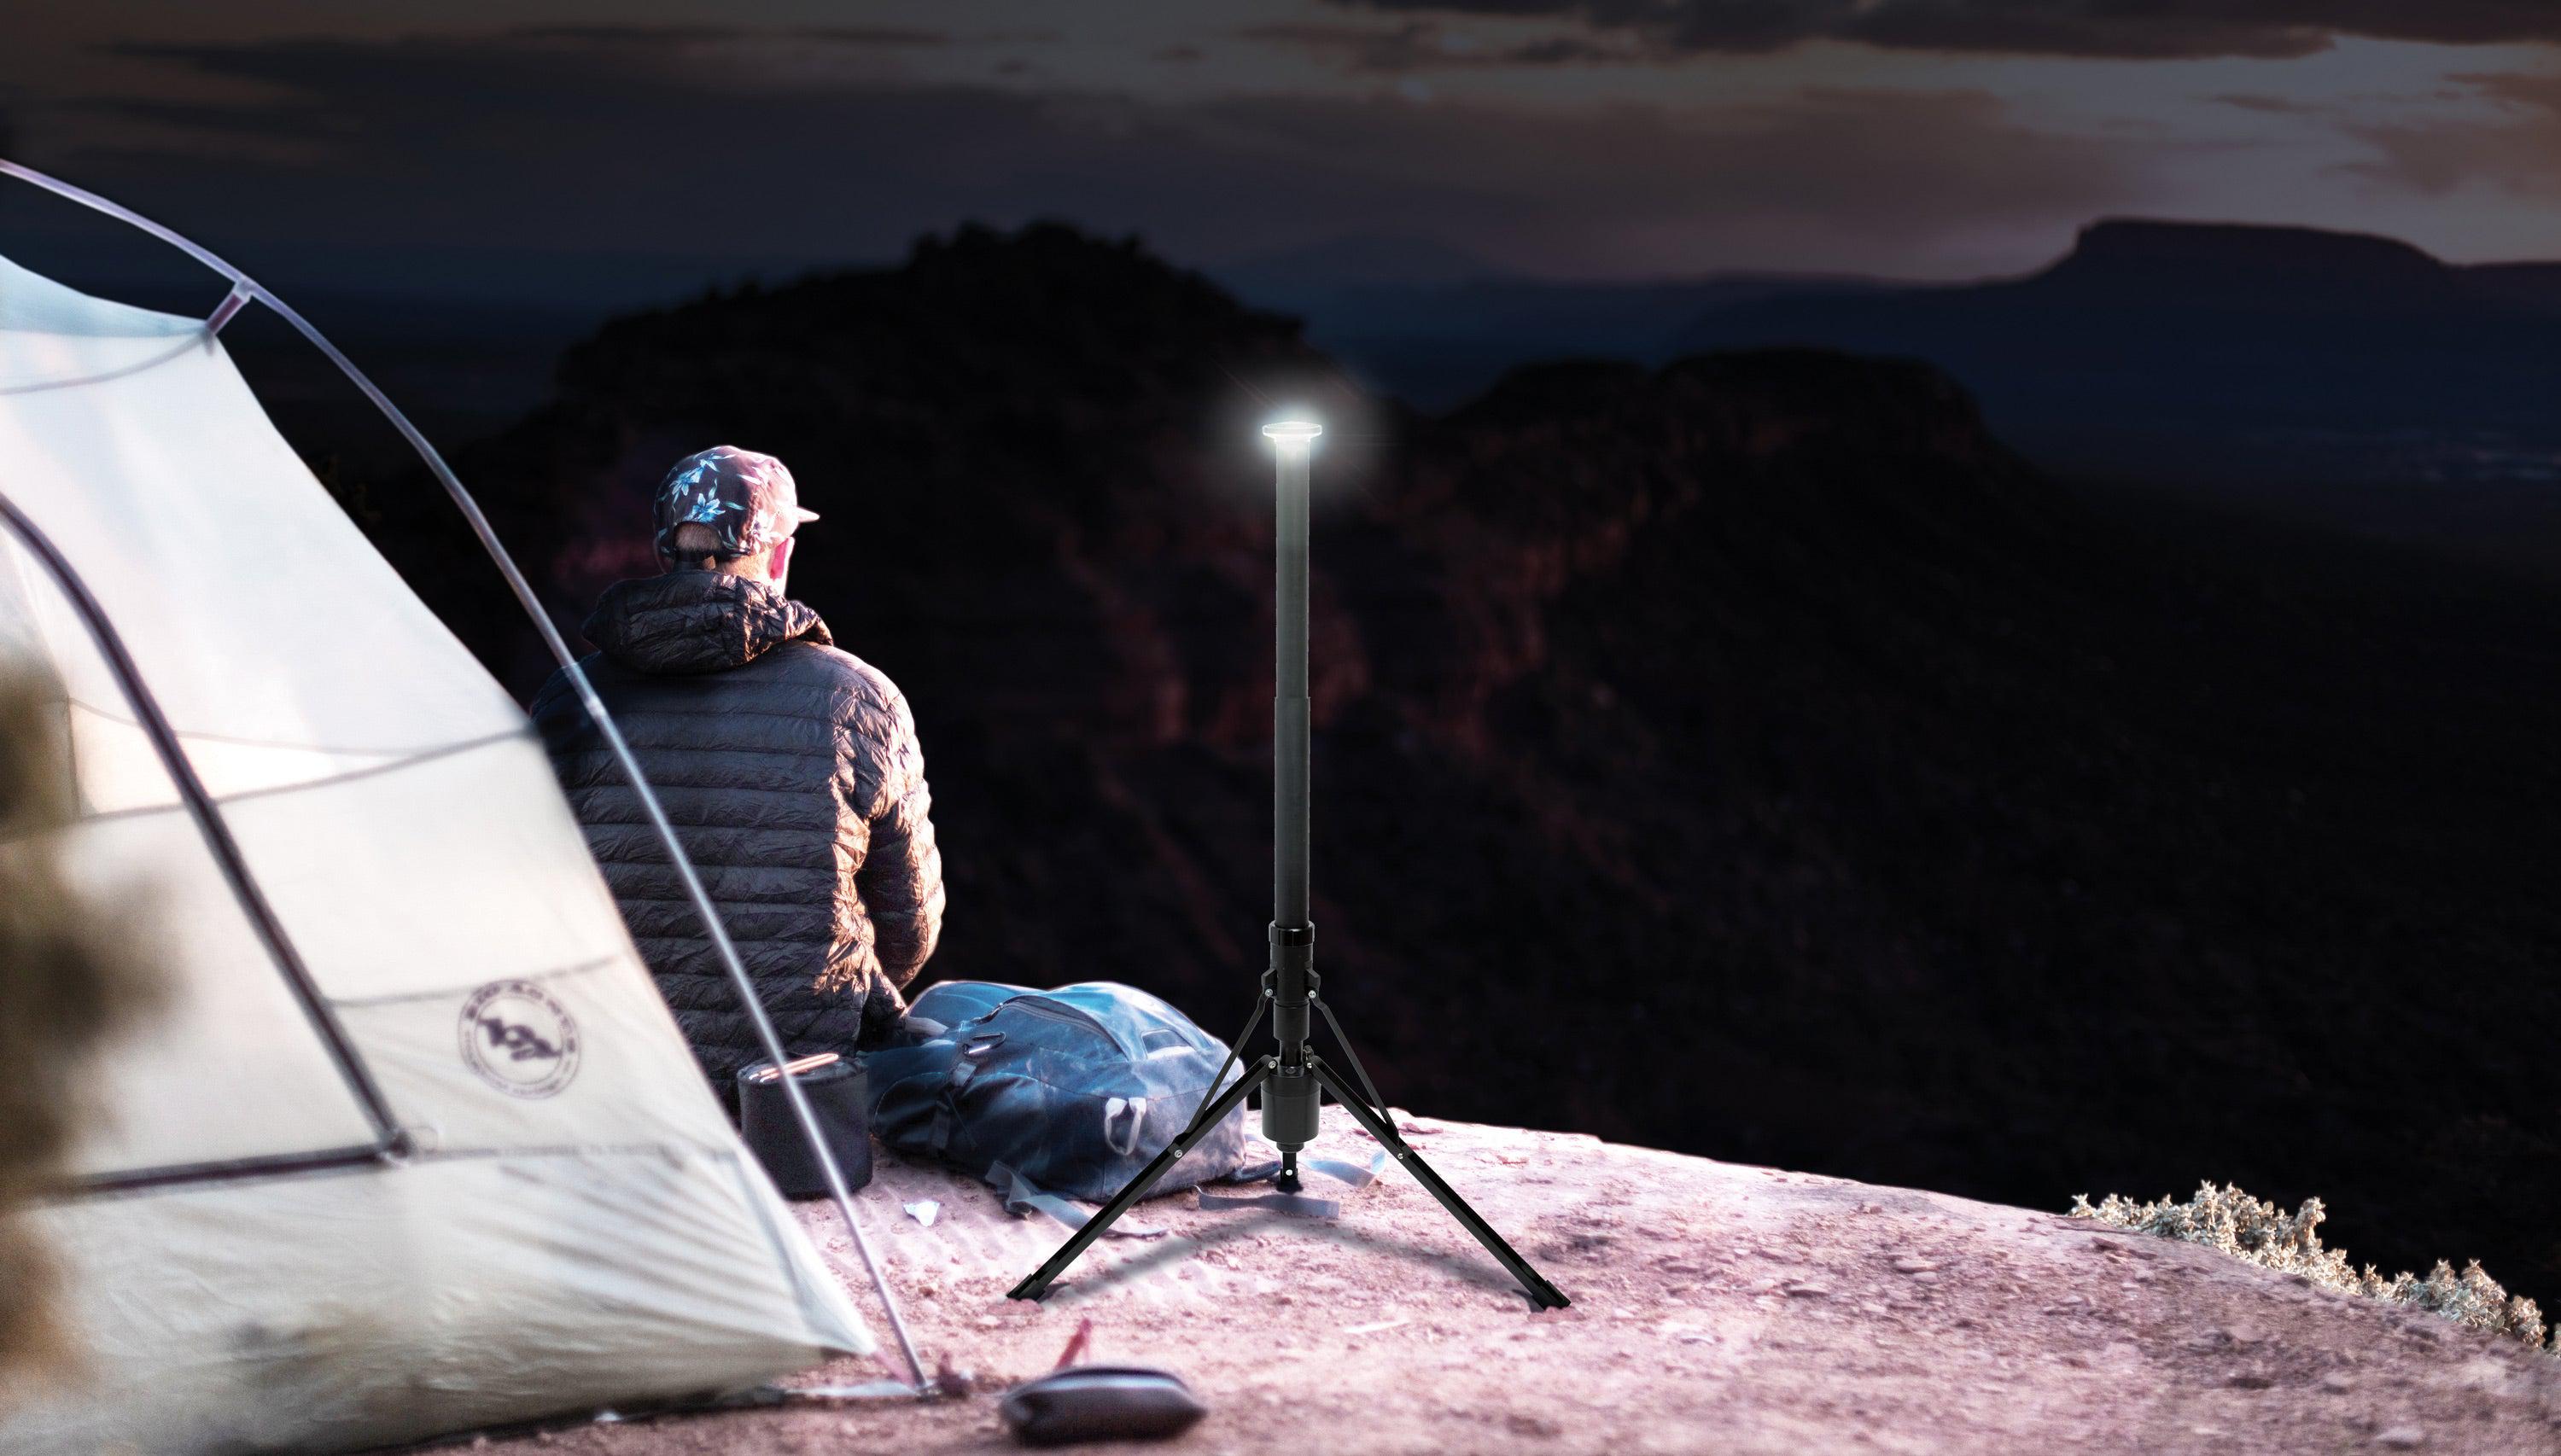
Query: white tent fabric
x: 424, y: 1151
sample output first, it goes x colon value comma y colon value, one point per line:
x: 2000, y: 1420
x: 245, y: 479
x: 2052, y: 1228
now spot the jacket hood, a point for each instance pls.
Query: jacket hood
x: 694, y: 621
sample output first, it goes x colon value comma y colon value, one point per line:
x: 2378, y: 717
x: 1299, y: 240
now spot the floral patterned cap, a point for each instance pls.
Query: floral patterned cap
x: 747, y: 498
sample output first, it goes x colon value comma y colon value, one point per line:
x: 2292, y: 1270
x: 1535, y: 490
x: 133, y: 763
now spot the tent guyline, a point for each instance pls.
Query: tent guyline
x: 244, y: 291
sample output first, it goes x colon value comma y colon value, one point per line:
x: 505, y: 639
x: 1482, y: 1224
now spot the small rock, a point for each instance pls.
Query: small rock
x: 2401, y: 1439
x: 1925, y: 1276
x: 2337, y: 1383
x: 1807, y: 1291
x: 1907, y: 1264
x: 2248, y: 1382
x: 1871, y: 1208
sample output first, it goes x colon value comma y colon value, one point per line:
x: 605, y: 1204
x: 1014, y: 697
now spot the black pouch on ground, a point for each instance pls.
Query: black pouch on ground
x: 1100, y: 1402
x: 836, y: 1093
x: 1076, y: 1089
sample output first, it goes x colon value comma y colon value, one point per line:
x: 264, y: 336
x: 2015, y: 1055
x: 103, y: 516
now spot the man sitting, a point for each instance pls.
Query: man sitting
x: 789, y: 768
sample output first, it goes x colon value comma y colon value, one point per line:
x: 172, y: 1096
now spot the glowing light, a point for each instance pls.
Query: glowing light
x: 1287, y: 433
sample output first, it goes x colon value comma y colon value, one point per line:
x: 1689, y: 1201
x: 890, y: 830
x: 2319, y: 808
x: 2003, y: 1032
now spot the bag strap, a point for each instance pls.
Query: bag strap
x: 1021, y: 1195
x: 947, y: 1108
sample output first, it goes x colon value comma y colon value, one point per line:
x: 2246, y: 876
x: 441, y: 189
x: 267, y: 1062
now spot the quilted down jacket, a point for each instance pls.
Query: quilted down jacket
x: 792, y: 772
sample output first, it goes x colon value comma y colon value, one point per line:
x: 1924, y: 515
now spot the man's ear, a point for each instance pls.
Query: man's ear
x: 780, y: 561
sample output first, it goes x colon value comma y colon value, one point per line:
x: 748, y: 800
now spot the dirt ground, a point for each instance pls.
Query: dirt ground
x: 1716, y: 1308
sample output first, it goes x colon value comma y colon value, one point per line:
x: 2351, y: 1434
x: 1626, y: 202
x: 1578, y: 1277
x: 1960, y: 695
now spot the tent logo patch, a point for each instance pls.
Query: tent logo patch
x: 519, y: 1038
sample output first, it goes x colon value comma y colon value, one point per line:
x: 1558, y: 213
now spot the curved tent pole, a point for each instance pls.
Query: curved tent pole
x: 388, y: 1140
x: 244, y: 286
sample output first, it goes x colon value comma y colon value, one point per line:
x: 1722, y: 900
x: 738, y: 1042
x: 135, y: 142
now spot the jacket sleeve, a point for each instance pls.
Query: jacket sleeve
x: 900, y: 881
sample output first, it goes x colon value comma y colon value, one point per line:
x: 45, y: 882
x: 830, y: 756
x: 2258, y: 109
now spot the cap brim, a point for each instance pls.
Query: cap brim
x: 803, y: 515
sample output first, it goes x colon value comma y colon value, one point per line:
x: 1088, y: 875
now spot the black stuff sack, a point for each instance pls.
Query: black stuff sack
x: 1075, y: 1089
x: 1101, y: 1402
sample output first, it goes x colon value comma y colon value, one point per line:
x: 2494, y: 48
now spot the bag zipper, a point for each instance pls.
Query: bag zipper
x: 1060, y: 1011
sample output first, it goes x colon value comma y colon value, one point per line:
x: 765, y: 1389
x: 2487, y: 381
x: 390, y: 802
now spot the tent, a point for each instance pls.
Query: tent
x: 414, y: 1146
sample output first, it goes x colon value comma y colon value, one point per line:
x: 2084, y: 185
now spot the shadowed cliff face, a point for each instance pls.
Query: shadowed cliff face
x: 1748, y: 757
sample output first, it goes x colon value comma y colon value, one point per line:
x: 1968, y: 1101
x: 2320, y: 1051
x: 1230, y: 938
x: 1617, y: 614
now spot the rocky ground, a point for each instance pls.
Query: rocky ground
x: 1716, y: 1308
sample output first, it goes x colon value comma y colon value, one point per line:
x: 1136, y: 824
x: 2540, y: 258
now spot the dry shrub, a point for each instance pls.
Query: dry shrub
x: 2238, y: 1224
x: 66, y: 979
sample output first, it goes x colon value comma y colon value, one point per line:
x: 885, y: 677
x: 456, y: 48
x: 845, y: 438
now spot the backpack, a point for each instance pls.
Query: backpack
x: 1074, y: 1089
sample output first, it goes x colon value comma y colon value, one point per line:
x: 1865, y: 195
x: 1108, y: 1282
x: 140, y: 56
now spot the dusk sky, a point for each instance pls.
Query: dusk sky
x: 554, y: 143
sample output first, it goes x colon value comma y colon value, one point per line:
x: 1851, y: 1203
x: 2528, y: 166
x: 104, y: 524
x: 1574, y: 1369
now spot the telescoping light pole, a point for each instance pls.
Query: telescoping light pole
x: 1293, y: 1079
x: 1290, y: 1102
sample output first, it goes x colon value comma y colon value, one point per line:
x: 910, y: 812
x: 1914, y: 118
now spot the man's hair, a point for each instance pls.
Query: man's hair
x: 696, y: 540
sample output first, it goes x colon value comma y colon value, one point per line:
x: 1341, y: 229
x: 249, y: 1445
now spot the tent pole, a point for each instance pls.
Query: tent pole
x: 588, y: 699
x: 390, y: 1141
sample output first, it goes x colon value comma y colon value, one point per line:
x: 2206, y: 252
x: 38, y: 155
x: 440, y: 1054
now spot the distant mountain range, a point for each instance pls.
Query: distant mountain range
x: 2269, y: 360
x: 2353, y: 379
x: 2222, y: 351
x: 1436, y: 346
x: 1437, y: 326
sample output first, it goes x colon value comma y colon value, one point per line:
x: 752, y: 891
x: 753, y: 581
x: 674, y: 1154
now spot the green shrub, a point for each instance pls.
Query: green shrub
x: 2261, y: 1233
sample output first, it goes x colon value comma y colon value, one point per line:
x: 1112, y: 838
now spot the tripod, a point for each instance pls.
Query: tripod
x: 1294, y: 1081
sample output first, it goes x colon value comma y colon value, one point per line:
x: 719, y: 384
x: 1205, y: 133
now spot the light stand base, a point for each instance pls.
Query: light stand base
x: 1364, y: 1110
x: 1382, y: 1127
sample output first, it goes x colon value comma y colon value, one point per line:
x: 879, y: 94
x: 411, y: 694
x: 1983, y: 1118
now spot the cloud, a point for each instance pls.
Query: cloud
x: 2515, y: 149
x: 2268, y: 105
x: 2122, y: 28
x: 1418, y: 45
x: 688, y: 38
x: 582, y: 152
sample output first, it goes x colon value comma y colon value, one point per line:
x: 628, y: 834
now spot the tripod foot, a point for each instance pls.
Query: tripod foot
x: 1540, y: 1292
x: 1286, y: 1179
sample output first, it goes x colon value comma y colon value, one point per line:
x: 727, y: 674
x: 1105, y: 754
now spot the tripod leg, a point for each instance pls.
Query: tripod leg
x: 1541, y: 1293
x: 1121, y: 1202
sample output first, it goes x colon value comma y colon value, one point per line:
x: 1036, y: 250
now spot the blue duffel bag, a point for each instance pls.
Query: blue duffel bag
x: 1074, y: 1089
